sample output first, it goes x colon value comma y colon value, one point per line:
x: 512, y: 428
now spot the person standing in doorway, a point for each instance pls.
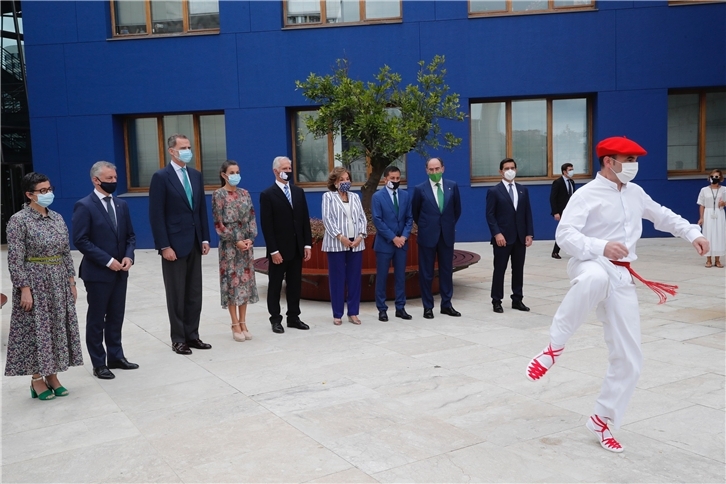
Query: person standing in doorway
x: 562, y: 190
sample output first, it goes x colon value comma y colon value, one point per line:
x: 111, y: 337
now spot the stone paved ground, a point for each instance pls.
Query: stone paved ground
x: 442, y: 400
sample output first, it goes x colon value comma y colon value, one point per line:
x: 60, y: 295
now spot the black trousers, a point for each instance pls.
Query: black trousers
x: 291, y: 272
x: 183, y: 285
x: 104, y: 319
x: 516, y: 253
x: 556, y: 249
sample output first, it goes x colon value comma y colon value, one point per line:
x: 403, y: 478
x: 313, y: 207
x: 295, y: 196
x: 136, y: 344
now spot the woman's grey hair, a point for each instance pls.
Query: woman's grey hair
x: 276, y: 162
x: 99, y: 165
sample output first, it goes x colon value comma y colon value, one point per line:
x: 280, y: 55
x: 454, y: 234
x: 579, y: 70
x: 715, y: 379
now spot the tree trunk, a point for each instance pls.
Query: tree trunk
x: 371, y: 185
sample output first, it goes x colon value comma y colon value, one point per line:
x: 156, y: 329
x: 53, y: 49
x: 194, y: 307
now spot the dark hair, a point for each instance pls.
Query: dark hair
x: 335, y: 176
x: 389, y: 169
x: 223, y: 169
x: 506, y: 160
x: 30, y: 181
x: 602, y: 158
x: 565, y: 166
x: 434, y: 158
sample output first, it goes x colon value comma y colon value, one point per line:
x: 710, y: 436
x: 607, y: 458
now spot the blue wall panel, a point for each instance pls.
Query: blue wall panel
x: 626, y: 55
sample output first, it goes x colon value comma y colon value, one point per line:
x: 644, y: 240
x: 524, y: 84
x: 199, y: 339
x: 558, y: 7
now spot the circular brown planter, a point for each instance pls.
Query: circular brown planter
x: 315, y: 272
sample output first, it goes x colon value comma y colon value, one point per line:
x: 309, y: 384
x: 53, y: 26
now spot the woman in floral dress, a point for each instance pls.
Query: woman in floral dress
x: 44, y: 337
x: 234, y: 221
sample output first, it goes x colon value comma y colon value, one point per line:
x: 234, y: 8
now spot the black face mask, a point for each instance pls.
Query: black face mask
x: 715, y: 179
x: 108, y: 187
x: 395, y: 185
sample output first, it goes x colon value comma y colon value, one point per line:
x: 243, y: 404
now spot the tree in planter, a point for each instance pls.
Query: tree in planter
x: 381, y: 120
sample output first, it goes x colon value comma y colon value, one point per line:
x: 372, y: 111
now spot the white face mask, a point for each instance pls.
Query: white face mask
x: 510, y: 174
x: 628, y: 171
x: 570, y: 173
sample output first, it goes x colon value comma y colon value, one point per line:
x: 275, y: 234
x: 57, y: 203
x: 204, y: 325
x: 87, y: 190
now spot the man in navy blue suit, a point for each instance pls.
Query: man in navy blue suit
x: 178, y: 216
x: 392, y: 216
x: 436, y: 208
x: 509, y: 215
x: 103, y: 233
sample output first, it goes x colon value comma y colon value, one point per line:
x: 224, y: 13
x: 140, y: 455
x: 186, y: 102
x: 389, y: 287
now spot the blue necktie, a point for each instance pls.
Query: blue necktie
x: 111, y: 211
x: 187, y: 187
x: 511, y: 193
x: 287, y: 194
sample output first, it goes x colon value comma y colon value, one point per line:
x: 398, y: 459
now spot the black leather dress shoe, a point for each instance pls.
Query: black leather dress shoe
x: 428, y: 313
x: 556, y: 256
x: 181, y: 348
x: 103, y: 373
x: 519, y: 305
x: 497, y: 307
x: 122, y: 364
x: 277, y: 328
x: 450, y: 311
x: 383, y: 316
x: 199, y: 344
x: 297, y: 324
x: 401, y: 313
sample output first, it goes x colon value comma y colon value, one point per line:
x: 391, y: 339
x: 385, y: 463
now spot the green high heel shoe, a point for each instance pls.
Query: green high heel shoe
x: 61, y: 391
x: 46, y: 395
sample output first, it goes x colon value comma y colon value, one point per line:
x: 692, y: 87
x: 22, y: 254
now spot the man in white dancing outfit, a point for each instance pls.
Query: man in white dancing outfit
x: 600, y: 228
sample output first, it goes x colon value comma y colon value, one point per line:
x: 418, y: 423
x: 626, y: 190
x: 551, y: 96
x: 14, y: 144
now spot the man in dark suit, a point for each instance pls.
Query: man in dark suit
x: 286, y: 226
x: 509, y: 216
x: 393, y: 219
x: 178, y: 216
x: 103, y: 233
x: 436, y: 208
x: 562, y: 190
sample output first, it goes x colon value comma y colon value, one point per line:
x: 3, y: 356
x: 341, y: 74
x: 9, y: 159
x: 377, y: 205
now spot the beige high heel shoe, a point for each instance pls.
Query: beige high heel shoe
x: 237, y: 336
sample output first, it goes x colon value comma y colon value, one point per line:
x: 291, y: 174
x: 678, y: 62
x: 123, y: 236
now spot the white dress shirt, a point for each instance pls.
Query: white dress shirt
x: 599, y: 213
x: 102, y: 197
x: 514, y: 191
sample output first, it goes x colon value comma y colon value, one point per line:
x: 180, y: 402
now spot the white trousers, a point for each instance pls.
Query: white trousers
x: 610, y: 289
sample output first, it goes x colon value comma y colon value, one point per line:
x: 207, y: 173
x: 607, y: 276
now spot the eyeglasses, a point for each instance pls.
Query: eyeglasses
x: 43, y: 191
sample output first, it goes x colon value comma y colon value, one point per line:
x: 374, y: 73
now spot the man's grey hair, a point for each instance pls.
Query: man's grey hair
x: 171, y: 142
x: 100, y: 165
x: 278, y: 160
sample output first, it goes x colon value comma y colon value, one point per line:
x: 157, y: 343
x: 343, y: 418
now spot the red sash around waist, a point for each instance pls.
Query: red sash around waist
x: 660, y: 288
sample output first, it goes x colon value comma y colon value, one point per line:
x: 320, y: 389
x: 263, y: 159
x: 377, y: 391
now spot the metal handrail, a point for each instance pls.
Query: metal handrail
x: 11, y: 63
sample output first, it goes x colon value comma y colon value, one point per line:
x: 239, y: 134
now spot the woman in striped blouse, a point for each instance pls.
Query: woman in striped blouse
x: 345, y: 231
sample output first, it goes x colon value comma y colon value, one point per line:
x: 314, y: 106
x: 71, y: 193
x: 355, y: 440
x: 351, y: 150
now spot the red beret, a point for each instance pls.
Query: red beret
x: 619, y: 145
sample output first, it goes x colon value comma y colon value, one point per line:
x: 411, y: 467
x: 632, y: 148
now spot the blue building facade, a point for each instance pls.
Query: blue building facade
x: 627, y: 61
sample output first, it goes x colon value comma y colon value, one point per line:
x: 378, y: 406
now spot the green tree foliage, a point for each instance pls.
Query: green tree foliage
x: 381, y: 119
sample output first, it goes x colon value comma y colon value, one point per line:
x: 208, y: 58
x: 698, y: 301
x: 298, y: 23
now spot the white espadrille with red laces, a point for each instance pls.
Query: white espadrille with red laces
x: 599, y: 427
x: 542, y: 362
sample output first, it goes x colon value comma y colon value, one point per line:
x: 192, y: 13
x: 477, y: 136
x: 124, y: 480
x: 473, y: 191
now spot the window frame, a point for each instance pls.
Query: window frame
x: 197, y: 161
x: 551, y: 8
x: 323, y: 11
x: 292, y: 112
x: 149, y: 34
x: 701, y: 145
x: 551, y: 173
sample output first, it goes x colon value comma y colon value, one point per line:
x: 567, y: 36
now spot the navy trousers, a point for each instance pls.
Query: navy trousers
x: 344, y: 274
x: 104, y: 319
x: 426, y: 258
x: 383, y: 262
x: 516, y: 252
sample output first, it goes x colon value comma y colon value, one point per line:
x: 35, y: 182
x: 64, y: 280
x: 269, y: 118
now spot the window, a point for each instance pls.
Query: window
x: 508, y: 7
x: 330, y: 12
x: 133, y: 18
x: 146, y: 148
x: 696, y: 131
x: 314, y: 159
x: 539, y: 134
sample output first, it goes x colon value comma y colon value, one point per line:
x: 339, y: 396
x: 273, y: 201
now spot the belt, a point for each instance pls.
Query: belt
x: 660, y: 288
x: 53, y: 260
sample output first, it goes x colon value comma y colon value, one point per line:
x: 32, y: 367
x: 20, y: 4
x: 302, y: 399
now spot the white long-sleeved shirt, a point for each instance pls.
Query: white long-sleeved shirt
x: 599, y: 213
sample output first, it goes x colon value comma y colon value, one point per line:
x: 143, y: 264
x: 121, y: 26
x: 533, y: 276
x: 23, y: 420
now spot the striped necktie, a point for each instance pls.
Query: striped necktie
x: 287, y: 194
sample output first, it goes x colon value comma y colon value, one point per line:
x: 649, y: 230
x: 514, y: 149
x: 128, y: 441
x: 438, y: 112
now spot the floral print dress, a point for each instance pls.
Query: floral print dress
x: 44, y: 340
x: 234, y: 220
